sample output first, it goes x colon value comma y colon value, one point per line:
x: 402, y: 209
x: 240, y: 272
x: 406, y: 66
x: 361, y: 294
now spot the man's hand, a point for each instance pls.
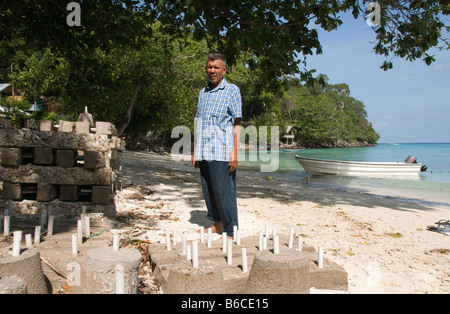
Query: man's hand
x: 233, y: 165
x: 195, y: 163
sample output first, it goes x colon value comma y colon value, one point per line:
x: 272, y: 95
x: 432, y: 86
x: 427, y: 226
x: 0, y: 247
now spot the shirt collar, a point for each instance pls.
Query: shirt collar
x: 220, y: 86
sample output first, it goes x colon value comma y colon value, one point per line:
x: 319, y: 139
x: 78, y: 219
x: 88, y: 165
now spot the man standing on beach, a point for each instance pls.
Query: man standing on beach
x: 218, y: 119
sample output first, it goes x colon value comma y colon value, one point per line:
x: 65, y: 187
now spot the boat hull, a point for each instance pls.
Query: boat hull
x: 316, y: 166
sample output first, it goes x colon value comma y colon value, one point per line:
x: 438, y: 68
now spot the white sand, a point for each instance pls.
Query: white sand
x: 356, y: 230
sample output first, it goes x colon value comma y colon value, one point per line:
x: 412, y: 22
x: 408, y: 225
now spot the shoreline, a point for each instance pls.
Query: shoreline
x: 383, y: 243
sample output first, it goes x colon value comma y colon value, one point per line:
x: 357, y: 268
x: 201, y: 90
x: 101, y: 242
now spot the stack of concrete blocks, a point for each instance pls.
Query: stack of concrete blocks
x: 66, y: 167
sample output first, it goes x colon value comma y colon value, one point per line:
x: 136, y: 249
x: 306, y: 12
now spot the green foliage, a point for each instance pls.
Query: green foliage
x: 16, y: 109
x: 326, y: 115
x: 43, y: 73
x: 140, y: 64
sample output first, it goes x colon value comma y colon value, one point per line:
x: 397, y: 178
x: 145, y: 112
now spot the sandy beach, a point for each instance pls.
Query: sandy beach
x: 383, y: 243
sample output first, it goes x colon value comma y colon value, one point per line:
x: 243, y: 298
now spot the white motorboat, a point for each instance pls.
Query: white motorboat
x: 316, y: 166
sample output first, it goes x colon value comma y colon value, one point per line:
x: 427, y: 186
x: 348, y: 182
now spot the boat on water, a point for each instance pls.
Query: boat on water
x: 315, y: 166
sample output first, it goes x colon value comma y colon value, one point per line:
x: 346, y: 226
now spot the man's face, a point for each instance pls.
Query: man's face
x: 215, y: 70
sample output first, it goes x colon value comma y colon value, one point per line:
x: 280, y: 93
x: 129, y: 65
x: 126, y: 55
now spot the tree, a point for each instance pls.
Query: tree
x: 326, y: 116
x: 106, y: 56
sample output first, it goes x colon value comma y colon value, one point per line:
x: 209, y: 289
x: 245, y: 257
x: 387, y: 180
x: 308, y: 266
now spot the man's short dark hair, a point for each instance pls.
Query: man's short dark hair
x: 217, y: 56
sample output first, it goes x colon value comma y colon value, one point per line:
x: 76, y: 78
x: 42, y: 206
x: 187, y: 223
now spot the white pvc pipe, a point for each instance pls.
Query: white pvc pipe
x: 174, y: 238
x: 6, y: 224
x: 291, y: 237
x: 230, y: 252
x: 320, y: 258
x: 260, y: 241
x: 238, y: 238
x: 264, y: 243
x: 234, y: 233
x: 209, y: 237
x: 80, y: 231
x: 74, y: 244
x: 183, y: 245
x: 195, y: 254
x: 202, y: 234
x: 50, y: 226
x: 244, y: 260
x: 87, y: 226
x: 83, y: 222
x: 224, y: 242
x: 28, y: 240
x: 276, y: 245
x: 37, y: 235
x: 188, y: 251
x: 168, y: 240
x: 16, y: 243
x: 119, y: 276
x: 116, y: 242
x: 300, y: 244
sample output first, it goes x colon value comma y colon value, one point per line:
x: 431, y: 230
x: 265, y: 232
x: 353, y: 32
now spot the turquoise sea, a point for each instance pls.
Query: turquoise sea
x: 431, y: 187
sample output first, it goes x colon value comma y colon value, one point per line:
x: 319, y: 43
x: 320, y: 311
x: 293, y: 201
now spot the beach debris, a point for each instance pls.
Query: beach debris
x: 441, y: 251
x: 395, y: 235
x: 443, y: 226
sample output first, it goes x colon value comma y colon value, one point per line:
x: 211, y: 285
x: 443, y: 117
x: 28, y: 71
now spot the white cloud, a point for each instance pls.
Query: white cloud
x: 441, y: 67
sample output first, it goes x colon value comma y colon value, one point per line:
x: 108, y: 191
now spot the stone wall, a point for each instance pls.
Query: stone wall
x: 64, y: 166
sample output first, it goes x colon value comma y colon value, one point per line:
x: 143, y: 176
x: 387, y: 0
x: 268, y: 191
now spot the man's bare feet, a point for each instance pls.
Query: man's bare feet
x: 217, y: 227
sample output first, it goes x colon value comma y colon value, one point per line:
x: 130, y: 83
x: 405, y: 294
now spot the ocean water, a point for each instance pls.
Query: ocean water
x: 431, y: 187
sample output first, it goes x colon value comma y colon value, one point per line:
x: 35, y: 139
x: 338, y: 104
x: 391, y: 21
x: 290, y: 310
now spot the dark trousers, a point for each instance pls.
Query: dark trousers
x: 219, y: 190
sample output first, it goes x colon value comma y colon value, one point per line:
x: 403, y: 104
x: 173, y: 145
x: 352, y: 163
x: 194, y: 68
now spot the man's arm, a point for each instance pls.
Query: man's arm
x: 234, y: 153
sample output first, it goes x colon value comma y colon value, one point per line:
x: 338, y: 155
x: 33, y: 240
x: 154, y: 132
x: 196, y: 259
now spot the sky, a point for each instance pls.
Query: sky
x: 407, y: 104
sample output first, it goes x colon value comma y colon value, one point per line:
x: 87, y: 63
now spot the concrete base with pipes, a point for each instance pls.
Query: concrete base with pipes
x: 27, y: 267
x: 289, y: 271
x: 104, y: 268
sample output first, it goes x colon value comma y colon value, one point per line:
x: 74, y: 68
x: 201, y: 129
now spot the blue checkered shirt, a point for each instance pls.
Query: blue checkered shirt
x: 216, y: 110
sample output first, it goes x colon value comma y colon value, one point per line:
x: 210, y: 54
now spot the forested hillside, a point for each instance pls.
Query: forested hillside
x: 140, y: 64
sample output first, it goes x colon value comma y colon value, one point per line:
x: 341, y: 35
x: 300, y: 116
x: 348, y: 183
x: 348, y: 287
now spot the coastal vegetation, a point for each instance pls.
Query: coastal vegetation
x: 140, y: 64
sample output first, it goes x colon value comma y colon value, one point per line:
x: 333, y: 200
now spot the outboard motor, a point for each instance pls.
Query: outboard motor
x: 411, y: 160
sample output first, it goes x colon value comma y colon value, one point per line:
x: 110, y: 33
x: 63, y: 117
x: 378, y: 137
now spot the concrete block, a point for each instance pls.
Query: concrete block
x: 11, y: 157
x: 105, y: 128
x: 285, y: 273
x: 46, y: 192
x: 101, y: 194
x: 5, y: 123
x: 65, y: 158
x: 68, y: 193
x: 65, y: 126
x: 43, y: 156
x: 94, y: 160
x: 26, y: 266
x: 12, y: 191
x: 32, y: 124
x: 82, y: 127
x: 46, y: 125
x: 98, y: 270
